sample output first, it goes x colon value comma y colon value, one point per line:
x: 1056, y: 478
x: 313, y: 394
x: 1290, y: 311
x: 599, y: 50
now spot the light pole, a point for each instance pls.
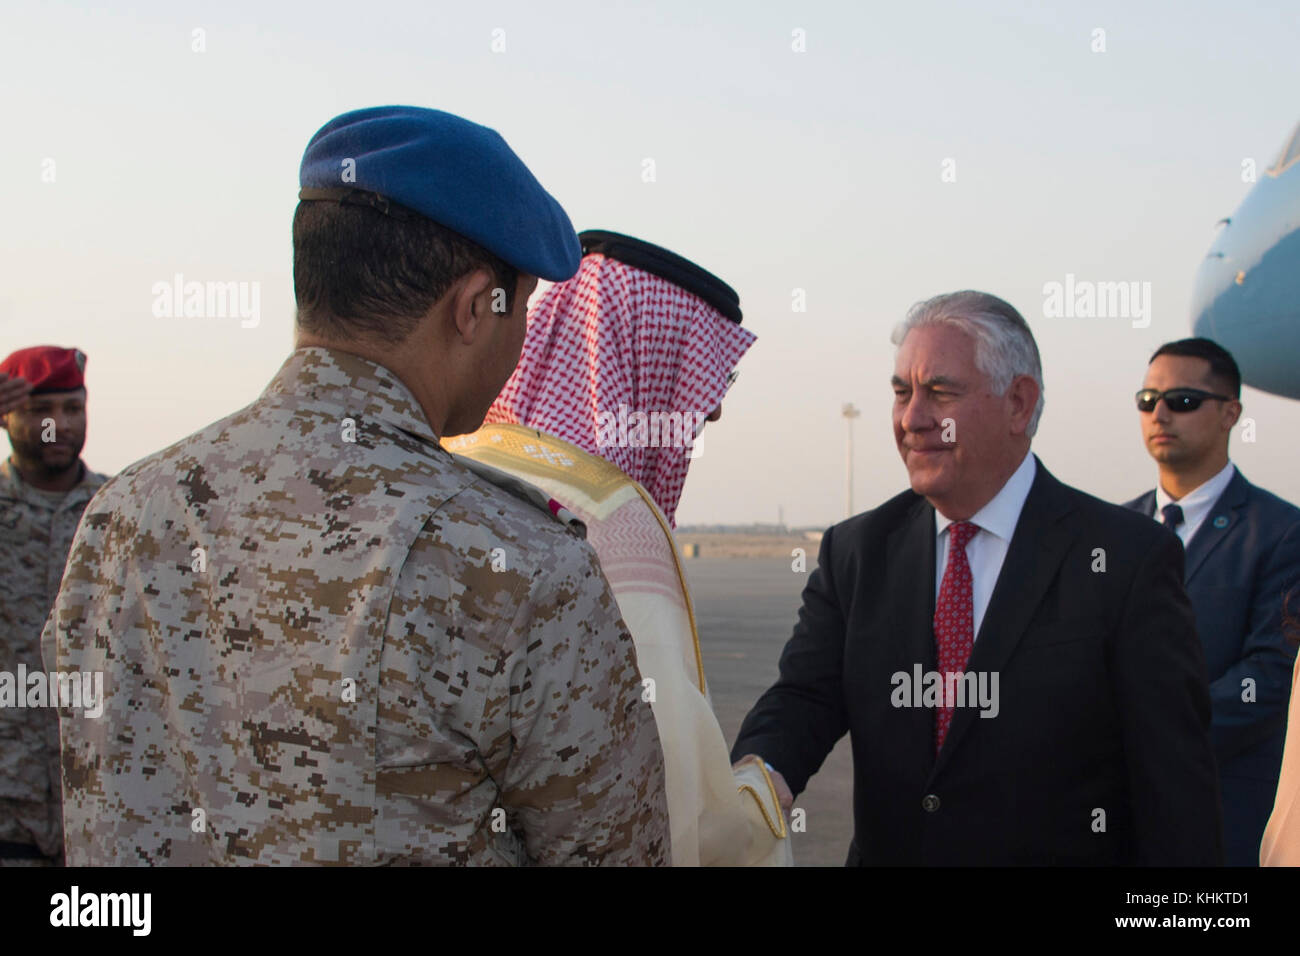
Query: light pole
x: 849, y: 412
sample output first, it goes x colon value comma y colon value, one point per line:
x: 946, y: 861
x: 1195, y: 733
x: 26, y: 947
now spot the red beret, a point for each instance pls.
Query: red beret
x: 48, y: 368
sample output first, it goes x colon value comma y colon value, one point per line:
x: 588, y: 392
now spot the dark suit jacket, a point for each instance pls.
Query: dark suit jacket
x: 1102, y: 694
x: 1240, y: 564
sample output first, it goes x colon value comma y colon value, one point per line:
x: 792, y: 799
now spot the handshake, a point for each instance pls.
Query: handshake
x: 783, y: 794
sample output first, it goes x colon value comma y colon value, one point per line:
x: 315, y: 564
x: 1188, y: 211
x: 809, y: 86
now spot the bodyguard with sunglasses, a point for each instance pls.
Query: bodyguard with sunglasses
x: 1242, y: 555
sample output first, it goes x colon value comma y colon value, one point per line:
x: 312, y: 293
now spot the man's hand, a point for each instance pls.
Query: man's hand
x: 783, y: 794
x: 13, y: 392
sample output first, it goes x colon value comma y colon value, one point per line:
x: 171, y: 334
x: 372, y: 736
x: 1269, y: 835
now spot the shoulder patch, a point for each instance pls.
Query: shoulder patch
x: 526, y: 492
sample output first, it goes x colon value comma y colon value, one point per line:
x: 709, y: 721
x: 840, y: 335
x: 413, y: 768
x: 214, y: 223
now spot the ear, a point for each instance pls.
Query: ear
x: 1023, y: 395
x: 472, y: 298
x: 1231, y: 413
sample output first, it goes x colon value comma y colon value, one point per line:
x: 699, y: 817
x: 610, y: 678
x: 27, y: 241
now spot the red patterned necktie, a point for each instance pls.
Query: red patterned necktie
x: 954, y: 616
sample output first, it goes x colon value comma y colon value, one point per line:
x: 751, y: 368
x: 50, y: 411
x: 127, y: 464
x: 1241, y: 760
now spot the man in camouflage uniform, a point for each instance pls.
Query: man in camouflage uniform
x: 44, y: 487
x: 324, y: 640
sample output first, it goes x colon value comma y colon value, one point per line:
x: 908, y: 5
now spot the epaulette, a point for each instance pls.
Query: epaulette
x: 526, y: 492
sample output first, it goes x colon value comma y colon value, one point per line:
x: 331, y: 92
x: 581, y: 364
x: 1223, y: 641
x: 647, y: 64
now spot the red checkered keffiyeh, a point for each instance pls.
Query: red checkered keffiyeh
x: 613, y: 336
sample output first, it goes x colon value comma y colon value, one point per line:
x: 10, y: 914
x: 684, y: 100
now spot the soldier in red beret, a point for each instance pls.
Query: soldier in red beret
x: 44, y: 487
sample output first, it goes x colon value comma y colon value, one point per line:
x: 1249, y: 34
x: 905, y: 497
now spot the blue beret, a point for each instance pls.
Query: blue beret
x: 457, y: 173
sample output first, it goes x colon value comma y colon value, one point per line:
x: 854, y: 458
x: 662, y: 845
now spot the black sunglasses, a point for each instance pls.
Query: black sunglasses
x: 1176, y: 399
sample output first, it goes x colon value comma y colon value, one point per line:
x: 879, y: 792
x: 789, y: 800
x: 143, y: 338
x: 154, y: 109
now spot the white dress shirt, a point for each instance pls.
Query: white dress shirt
x: 1196, y: 504
x: 986, y: 551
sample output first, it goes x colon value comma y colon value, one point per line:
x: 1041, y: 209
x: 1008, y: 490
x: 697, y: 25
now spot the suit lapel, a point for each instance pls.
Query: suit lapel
x: 909, y: 584
x: 1218, y: 524
x: 1145, y: 504
x: 1038, y: 546
x: 912, y: 594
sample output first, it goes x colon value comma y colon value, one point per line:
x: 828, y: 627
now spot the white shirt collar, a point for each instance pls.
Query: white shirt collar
x: 1000, y: 515
x: 1196, y: 504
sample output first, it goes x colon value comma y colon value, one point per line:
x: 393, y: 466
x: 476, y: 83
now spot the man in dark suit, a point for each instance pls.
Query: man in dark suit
x: 1243, y: 556
x: 1071, y: 720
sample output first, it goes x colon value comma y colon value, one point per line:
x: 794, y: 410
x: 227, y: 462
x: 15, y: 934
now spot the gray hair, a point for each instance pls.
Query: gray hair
x: 1004, y: 346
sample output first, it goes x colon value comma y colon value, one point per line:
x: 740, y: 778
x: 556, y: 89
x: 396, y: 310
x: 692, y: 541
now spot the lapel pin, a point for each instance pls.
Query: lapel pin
x: 1221, y: 521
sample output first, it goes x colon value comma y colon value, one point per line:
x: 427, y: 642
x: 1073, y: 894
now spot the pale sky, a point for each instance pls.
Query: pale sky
x: 776, y: 169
